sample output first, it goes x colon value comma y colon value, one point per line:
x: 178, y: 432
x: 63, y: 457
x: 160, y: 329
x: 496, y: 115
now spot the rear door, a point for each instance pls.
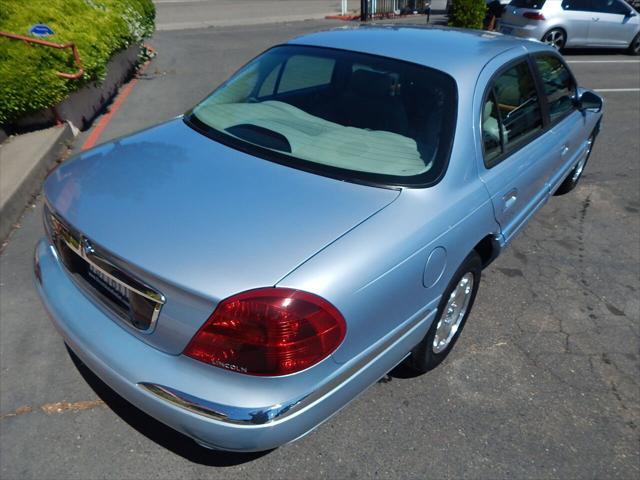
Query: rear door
x: 612, y: 24
x: 577, y: 18
x: 517, y: 153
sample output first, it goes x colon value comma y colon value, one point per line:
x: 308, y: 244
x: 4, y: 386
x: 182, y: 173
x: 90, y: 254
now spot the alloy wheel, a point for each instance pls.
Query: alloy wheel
x: 555, y: 38
x: 454, y: 312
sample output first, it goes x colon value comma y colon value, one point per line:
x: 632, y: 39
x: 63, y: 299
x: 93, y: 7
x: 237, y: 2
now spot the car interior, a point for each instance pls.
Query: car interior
x: 358, y: 114
x: 370, y: 98
x: 512, y: 107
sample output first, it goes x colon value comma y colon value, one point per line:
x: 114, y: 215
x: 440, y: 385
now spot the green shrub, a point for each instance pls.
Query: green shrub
x: 98, y: 28
x: 467, y: 13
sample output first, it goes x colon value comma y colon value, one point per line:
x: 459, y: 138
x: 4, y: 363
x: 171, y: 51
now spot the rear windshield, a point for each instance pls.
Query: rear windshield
x: 352, y: 116
x: 532, y: 4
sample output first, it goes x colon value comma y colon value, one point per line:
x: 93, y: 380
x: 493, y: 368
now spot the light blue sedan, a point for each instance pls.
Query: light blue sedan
x: 244, y: 271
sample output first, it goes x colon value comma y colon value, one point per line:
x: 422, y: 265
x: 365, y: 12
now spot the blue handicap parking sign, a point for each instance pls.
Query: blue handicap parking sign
x: 41, y: 30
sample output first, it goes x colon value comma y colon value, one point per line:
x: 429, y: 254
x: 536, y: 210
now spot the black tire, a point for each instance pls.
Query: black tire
x: 634, y: 46
x: 423, y: 357
x: 556, y: 37
x: 574, y: 176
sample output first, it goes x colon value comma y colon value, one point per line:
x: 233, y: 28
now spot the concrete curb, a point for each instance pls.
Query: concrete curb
x: 15, y: 199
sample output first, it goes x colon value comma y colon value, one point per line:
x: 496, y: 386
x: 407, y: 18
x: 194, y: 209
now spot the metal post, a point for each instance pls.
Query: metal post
x: 364, y: 10
x: 74, y: 50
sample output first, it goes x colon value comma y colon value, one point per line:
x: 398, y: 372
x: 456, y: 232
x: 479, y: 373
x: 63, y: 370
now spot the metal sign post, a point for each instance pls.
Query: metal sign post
x: 364, y: 10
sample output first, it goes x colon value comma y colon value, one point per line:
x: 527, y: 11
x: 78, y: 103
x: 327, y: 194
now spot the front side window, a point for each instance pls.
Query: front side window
x: 511, y: 113
x: 354, y: 116
x: 559, y: 87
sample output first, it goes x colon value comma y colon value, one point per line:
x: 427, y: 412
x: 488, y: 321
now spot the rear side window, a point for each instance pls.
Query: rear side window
x: 576, y: 5
x: 306, y: 71
x: 532, y: 4
x: 609, y: 6
x: 511, y: 114
x: 518, y: 104
x: 297, y: 73
x: 559, y: 87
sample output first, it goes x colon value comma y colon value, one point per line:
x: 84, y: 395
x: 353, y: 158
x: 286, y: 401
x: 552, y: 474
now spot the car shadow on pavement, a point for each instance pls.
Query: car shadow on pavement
x: 157, y: 431
x: 400, y: 371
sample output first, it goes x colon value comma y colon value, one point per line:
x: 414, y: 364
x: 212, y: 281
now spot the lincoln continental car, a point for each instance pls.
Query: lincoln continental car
x: 242, y: 272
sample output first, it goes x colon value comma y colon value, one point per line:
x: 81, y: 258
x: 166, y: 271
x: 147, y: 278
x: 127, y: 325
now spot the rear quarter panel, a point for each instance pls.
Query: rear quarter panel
x: 374, y: 274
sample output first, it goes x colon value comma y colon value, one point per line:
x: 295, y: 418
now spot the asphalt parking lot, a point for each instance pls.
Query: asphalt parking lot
x: 544, y: 382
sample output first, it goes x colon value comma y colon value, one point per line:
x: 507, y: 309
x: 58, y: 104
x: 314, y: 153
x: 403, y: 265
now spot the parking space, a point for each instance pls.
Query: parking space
x: 544, y: 382
x: 607, y: 74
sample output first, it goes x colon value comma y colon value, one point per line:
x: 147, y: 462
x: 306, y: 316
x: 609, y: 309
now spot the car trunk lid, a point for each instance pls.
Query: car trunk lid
x: 199, y: 221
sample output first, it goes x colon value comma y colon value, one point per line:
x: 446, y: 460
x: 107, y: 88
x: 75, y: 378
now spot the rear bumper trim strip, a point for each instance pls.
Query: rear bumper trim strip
x: 261, y: 416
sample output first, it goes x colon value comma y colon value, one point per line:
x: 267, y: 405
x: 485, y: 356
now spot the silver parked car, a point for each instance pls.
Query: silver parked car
x: 244, y: 271
x: 574, y: 23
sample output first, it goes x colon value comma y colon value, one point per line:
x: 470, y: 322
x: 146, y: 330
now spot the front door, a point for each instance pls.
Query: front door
x: 566, y: 121
x: 612, y: 24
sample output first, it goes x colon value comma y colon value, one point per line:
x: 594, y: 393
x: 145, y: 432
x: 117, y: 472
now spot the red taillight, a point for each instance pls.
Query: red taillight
x: 269, y: 331
x: 533, y: 15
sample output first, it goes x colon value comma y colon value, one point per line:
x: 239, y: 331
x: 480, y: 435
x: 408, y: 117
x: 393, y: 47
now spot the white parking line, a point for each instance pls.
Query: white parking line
x: 617, y: 89
x: 603, y: 61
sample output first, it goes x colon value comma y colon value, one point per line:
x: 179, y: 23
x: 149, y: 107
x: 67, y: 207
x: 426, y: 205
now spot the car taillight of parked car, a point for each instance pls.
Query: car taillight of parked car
x: 269, y: 332
x: 533, y: 15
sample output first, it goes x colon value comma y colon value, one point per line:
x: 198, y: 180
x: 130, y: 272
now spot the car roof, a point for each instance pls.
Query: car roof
x: 459, y: 52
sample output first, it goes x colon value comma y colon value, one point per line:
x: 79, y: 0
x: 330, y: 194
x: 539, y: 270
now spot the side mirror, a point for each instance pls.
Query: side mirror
x: 589, y: 101
x: 630, y: 13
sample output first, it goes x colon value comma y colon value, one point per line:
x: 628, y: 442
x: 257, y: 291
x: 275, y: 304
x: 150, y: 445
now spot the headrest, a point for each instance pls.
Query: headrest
x: 488, y: 109
x: 371, y: 84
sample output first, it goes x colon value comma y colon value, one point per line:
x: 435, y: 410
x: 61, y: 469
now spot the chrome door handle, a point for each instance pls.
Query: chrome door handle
x: 595, y: 19
x: 565, y: 150
x: 510, y: 198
